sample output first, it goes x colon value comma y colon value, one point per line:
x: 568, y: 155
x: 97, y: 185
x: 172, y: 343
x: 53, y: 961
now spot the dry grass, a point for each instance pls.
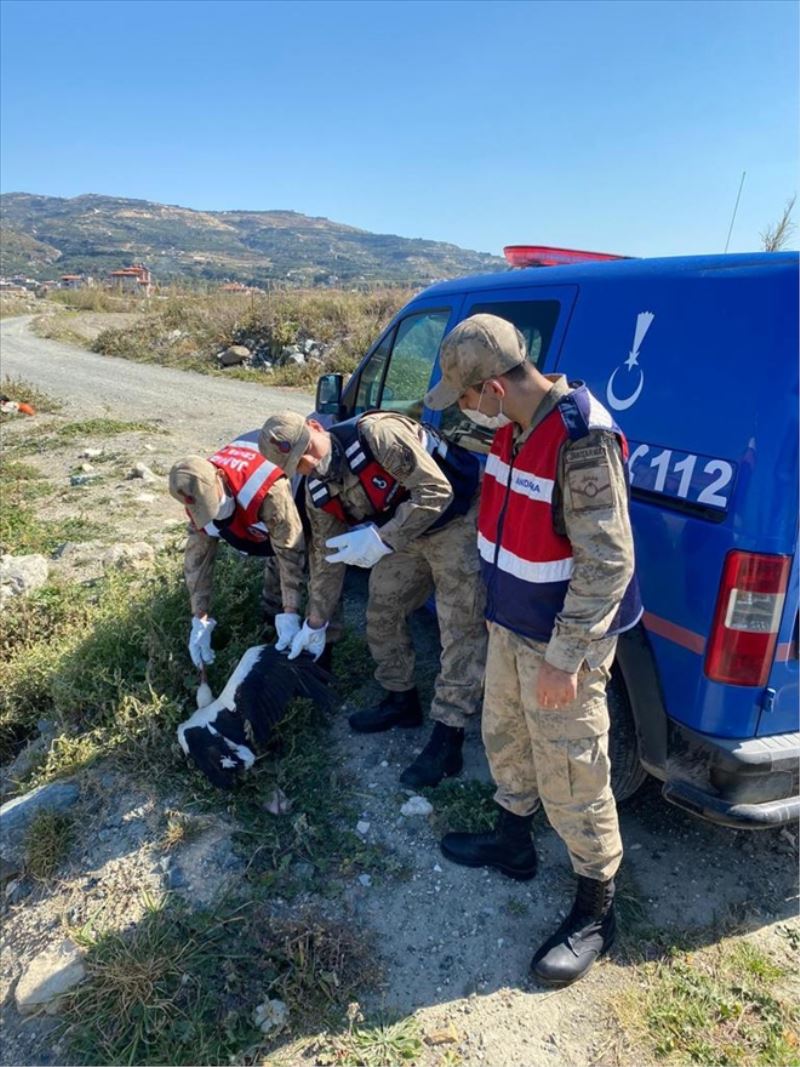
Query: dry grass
x: 47, y: 843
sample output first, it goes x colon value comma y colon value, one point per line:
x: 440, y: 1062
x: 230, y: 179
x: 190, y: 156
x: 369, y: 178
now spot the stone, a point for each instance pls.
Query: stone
x: 17, y: 815
x: 365, y: 880
x: 20, y: 575
x: 49, y: 975
x: 87, y: 468
x: 8, y: 871
x: 82, y: 479
x: 134, y: 556
x: 23, y: 763
x: 416, y: 806
x: 271, y: 1016
x: 362, y: 827
x: 141, y: 470
x: 297, y: 358
x: 145, y: 498
x: 233, y: 356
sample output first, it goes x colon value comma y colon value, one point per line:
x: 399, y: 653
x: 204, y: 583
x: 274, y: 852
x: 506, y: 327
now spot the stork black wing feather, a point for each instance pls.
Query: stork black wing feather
x: 270, y: 686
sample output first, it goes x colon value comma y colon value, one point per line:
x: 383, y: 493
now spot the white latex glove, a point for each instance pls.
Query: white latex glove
x: 200, y: 641
x: 361, y: 548
x: 287, y: 625
x: 309, y: 640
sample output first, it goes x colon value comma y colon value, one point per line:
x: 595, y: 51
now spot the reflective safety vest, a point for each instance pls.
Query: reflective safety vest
x: 526, y: 558
x: 250, y: 476
x: 461, y: 468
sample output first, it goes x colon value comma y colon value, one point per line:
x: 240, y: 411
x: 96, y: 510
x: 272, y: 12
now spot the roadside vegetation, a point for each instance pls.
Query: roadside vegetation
x: 187, y: 329
x: 730, y: 1004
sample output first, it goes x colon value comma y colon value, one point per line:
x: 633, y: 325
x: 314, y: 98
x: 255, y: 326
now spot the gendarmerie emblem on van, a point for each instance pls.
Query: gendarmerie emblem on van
x: 620, y: 403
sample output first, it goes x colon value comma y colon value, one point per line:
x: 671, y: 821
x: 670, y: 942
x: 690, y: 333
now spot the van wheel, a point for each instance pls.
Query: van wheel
x: 627, y: 772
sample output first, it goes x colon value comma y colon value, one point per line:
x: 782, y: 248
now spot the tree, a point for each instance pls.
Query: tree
x: 775, y: 237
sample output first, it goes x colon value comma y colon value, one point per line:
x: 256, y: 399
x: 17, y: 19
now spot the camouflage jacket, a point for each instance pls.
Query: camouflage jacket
x: 395, y: 443
x: 279, y: 514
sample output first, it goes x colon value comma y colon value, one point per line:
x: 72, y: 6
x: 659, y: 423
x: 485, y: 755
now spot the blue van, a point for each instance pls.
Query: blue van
x: 697, y: 357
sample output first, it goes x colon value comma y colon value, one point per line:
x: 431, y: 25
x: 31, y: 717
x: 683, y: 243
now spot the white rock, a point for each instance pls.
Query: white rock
x: 20, y: 575
x: 362, y: 827
x: 141, y: 470
x: 365, y: 880
x: 136, y: 556
x: 271, y: 1016
x: 87, y: 468
x: 144, y: 498
x: 49, y: 975
x: 416, y: 806
x: 90, y: 453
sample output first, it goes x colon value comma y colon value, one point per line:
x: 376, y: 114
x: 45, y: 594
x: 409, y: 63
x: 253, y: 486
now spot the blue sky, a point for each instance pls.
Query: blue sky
x: 617, y: 126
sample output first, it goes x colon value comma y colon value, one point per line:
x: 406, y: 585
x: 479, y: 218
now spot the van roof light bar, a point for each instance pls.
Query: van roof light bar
x: 544, y: 256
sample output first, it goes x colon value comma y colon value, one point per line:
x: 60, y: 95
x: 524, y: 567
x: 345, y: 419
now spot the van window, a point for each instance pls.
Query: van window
x: 535, y: 320
x: 413, y: 355
x: 369, y: 386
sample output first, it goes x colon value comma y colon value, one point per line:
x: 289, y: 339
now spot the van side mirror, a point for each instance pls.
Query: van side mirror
x: 329, y: 395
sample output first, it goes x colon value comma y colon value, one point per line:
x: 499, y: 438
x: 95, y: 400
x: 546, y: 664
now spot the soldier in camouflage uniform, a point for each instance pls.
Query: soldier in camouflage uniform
x: 386, y: 493
x: 556, y: 550
x: 238, y: 497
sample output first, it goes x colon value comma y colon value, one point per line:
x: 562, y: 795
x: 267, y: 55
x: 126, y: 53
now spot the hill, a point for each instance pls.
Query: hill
x: 94, y: 234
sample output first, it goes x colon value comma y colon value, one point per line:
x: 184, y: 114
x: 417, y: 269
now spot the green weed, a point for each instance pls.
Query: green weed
x: 462, y: 805
x: 378, y: 1044
x: 720, y: 1005
x: 182, y: 987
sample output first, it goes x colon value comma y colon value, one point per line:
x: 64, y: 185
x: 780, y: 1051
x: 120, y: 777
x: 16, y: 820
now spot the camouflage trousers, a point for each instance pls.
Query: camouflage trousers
x: 556, y: 756
x: 445, y: 563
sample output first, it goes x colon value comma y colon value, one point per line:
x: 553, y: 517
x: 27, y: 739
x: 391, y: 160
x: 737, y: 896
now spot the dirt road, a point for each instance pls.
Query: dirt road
x: 204, y: 408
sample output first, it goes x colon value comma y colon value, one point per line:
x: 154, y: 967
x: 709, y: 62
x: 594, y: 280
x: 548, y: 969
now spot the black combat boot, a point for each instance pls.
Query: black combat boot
x: 586, y: 933
x: 441, y: 758
x: 396, y: 709
x: 507, y: 848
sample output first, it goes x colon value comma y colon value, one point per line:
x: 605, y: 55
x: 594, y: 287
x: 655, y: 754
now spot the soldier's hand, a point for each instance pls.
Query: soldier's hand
x: 555, y: 688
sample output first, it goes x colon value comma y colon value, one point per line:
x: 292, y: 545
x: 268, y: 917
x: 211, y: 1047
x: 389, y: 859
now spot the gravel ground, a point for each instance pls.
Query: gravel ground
x: 454, y: 943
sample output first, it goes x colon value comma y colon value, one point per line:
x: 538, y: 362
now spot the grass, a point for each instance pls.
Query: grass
x: 462, y: 805
x: 187, y: 330
x: 180, y: 830
x: 182, y: 987
x: 47, y: 843
x: 50, y: 436
x: 377, y: 1044
x: 724, y: 1004
x: 21, y: 390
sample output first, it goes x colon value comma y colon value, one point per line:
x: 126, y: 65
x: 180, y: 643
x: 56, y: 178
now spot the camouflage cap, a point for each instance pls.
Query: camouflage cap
x: 284, y: 440
x: 193, y: 482
x: 480, y: 347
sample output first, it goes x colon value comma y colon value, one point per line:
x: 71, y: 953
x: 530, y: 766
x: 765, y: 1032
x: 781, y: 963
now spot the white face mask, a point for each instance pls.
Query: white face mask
x: 324, y: 465
x: 226, y: 506
x: 488, y: 422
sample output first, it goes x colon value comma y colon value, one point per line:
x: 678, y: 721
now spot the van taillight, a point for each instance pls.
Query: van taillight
x: 749, y: 608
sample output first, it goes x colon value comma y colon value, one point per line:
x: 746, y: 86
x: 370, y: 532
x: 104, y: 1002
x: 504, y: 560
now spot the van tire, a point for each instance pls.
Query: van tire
x: 627, y: 772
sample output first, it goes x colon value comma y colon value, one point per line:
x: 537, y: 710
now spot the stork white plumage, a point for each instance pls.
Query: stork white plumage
x: 225, y: 736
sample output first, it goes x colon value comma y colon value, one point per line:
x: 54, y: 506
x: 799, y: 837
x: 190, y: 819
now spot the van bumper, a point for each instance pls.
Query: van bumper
x: 747, y: 784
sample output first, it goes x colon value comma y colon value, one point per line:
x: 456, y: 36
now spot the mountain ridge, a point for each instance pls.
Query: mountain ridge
x: 94, y: 233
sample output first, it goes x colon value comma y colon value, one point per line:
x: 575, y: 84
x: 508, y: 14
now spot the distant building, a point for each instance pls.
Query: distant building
x: 72, y: 281
x: 135, y: 279
x: 239, y: 287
